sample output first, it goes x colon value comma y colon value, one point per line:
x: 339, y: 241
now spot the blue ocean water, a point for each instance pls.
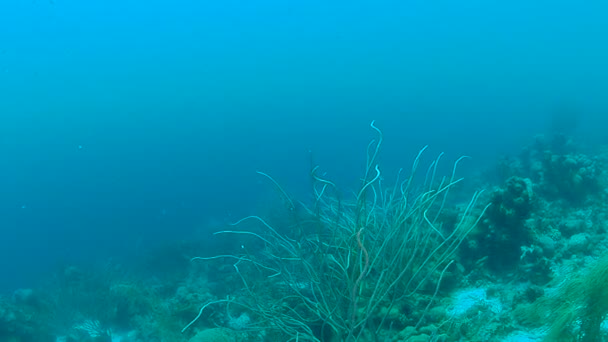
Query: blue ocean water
x: 127, y: 124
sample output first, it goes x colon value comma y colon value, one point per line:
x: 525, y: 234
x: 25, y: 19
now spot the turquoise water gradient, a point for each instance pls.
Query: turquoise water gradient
x: 124, y: 123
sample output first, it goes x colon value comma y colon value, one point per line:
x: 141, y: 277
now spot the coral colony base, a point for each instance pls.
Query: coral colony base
x: 525, y: 260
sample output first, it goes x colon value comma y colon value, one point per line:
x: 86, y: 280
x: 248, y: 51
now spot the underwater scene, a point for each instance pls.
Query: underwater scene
x: 303, y: 171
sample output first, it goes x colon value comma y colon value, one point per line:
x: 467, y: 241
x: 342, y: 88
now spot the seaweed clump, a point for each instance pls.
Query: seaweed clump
x: 576, y: 309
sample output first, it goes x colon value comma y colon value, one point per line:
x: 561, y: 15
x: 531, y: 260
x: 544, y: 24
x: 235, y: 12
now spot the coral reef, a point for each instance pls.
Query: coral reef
x: 533, y: 268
